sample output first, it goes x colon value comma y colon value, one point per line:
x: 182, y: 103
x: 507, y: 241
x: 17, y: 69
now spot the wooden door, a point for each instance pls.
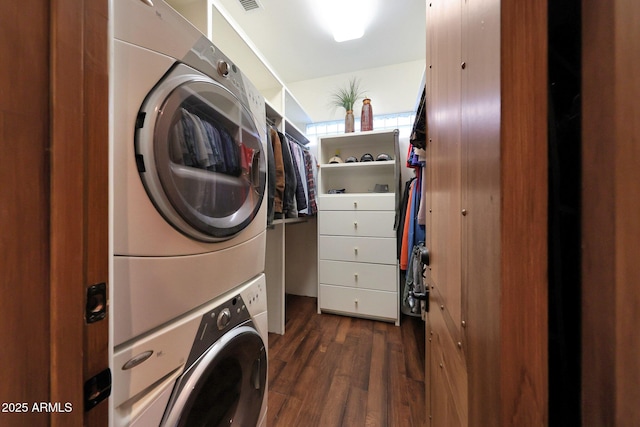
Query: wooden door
x: 447, y: 366
x: 486, y: 113
x: 611, y: 223
x: 54, y: 208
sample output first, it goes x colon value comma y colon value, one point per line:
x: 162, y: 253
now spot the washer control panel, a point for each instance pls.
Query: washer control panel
x: 217, y: 322
x: 224, y: 318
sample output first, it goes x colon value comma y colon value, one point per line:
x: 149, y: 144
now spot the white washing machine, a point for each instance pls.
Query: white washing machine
x: 189, y: 170
x: 207, y: 368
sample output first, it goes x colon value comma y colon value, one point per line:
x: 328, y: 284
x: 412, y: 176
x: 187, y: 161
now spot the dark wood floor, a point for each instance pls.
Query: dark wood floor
x: 329, y: 370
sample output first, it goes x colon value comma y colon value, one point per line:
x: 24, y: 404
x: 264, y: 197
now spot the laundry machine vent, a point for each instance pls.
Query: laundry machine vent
x: 250, y: 5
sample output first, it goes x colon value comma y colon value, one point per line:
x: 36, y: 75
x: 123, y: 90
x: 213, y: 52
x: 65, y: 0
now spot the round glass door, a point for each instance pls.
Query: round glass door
x: 225, y: 387
x: 206, y: 152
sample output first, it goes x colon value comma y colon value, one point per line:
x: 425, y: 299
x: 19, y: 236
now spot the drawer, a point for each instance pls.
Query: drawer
x: 359, y: 302
x: 382, y: 277
x: 379, y: 250
x: 358, y: 201
x: 357, y: 223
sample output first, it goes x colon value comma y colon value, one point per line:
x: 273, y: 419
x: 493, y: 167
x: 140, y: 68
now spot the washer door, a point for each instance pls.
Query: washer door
x: 225, y: 387
x: 200, y: 156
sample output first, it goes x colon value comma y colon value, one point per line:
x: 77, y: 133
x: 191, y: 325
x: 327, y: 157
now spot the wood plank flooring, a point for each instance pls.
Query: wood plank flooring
x: 329, y: 370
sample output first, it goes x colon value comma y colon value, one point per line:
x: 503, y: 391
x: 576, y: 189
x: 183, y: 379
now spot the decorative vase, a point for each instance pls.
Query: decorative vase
x: 349, y: 122
x: 366, y: 120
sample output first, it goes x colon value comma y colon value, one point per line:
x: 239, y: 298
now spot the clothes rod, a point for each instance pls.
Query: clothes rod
x: 296, y: 141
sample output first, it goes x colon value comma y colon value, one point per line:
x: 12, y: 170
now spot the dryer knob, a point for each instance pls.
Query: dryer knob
x: 224, y: 318
x: 223, y: 68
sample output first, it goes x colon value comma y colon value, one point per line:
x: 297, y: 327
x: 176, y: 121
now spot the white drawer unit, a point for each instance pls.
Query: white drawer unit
x: 362, y: 302
x: 377, y: 250
x: 357, y: 223
x: 357, y: 246
x: 381, y: 277
x: 355, y: 202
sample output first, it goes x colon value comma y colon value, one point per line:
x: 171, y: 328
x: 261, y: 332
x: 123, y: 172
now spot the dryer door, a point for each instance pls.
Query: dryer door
x: 200, y: 156
x: 225, y: 387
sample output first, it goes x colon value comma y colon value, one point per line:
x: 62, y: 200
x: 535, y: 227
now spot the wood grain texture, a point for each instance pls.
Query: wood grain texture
x: 24, y: 210
x: 445, y: 151
x: 448, y: 368
x: 96, y: 184
x: 330, y: 370
x: 44, y: 111
x: 500, y: 246
x: 79, y: 201
x: 523, y: 230
x: 481, y: 225
x: 67, y: 212
x: 610, y: 227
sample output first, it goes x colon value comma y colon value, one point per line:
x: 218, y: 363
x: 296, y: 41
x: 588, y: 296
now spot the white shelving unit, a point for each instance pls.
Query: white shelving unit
x: 290, y: 265
x: 357, y: 252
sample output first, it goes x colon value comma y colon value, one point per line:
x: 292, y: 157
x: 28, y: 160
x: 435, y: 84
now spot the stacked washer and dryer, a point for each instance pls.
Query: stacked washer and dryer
x: 188, y: 303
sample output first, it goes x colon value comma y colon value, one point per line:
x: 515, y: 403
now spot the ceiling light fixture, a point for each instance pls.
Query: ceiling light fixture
x: 347, y: 19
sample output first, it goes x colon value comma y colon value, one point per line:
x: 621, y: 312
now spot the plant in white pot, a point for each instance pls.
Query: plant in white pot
x: 346, y: 98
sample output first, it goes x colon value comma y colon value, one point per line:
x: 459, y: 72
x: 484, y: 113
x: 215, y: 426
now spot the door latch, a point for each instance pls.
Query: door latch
x: 97, y: 389
x: 96, y: 305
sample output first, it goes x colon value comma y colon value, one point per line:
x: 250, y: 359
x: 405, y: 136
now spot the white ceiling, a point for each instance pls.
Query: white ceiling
x: 298, y: 47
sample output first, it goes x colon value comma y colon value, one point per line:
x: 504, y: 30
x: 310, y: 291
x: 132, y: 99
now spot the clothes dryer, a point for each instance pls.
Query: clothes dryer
x: 189, y: 169
x: 207, y: 368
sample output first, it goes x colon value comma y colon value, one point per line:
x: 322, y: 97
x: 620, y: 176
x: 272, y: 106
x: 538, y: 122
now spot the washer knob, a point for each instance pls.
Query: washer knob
x: 224, y: 318
x: 223, y: 68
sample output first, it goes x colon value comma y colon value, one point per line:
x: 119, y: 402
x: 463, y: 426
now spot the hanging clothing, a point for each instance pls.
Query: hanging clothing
x: 404, y: 253
x: 301, y: 197
x: 311, y: 172
x: 279, y: 166
x: 401, y: 215
x: 414, y: 284
x: 271, y: 181
x: 289, y: 208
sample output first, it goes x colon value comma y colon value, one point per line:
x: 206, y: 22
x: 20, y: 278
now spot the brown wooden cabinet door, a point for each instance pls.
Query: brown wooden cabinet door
x: 53, y: 208
x: 486, y: 225
x: 447, y: 369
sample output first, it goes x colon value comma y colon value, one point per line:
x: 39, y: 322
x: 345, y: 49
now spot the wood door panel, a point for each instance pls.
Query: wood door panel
x: 445, y: 161
x: 486, y: 113
x: 449, y: 371
x: 24, y: 228
x: 610, y: 227
x: 48, y: 243
x: 481, y: 225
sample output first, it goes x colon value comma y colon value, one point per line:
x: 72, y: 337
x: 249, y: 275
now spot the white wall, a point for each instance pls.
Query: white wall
x: 392, y: 89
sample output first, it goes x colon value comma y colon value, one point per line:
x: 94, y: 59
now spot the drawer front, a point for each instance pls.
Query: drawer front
x: 360, y: 302
x: 381, y: 277
x: 365, y: 223
x: 379, y: 250
x: 358, y: 201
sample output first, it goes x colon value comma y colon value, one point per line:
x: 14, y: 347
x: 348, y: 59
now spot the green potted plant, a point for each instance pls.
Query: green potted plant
x: 346, y: 98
